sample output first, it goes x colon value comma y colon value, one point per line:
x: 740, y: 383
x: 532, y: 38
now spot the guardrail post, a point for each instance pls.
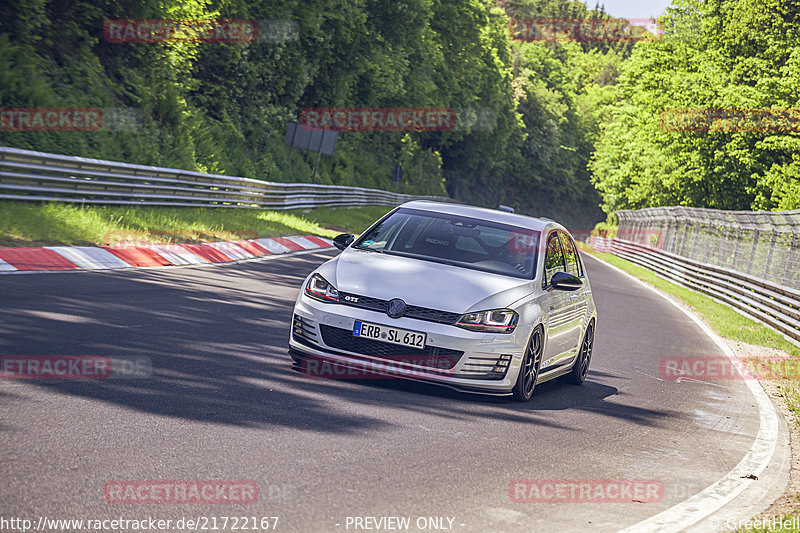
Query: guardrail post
x: 675, y: 230
x: 756, y: 234
x: 771, y: 251
x: 690, y: 224
x: 789, y: 273
x: 723, y: 239
x: 707, y: 248
x: 736, y: 246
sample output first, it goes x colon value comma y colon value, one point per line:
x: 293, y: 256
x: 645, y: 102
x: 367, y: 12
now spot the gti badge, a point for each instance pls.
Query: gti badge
x: 396, y: 308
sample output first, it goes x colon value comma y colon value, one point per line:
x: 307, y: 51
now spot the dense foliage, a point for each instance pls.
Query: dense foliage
x: 554, y: 106
x: 715, y: 54
x: 224, y: 107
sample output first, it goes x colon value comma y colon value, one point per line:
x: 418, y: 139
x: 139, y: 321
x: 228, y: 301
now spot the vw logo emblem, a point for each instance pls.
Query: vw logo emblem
x: 396, y: 308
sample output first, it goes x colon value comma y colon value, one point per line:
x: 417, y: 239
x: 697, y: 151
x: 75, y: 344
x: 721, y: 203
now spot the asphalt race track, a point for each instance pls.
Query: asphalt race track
x: 223, y: 403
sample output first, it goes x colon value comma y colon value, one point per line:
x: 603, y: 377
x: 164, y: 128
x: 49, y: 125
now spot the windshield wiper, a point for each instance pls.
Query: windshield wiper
x: 368, y: 249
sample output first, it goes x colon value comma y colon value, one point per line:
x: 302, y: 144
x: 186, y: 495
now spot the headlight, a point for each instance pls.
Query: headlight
x: 495, y: 321
x: 319, y: 289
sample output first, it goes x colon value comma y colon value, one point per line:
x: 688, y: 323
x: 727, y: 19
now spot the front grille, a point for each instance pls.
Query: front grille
x: 412, y: 311
x: 431, y: 315
x: 364, y: 302
x: 430, y: 356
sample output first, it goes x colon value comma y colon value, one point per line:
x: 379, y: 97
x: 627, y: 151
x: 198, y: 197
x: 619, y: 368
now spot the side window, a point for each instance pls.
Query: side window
x: 553, y: 259
x: 571, y: 255
x: 381, y: 236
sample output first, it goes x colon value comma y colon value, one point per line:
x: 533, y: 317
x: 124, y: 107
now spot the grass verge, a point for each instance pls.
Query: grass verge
x: 731, y: 325
x: 48, y: 224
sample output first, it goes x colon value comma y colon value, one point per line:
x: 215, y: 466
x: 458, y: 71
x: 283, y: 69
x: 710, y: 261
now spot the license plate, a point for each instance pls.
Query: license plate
x: 403, y: 337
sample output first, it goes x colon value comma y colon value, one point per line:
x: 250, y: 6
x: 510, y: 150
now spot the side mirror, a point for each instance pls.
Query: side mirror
x: 563, y: 281
x: 343, y: 241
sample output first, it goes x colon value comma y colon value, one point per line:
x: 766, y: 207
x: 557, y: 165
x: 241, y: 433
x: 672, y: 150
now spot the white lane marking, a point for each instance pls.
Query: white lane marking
x: 273, y: 246
x: 5, y: 267
x: 89, y: 257
x: 177, y: 254
x: 305, y: 243
x: 711, y: 499
x: 232, y: 250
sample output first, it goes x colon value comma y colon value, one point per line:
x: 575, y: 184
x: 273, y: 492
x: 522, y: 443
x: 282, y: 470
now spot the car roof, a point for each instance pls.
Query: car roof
x: 492, y: 215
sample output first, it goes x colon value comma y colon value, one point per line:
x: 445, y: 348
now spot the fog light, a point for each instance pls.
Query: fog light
x: 297, y: 326
x: 502, y: 364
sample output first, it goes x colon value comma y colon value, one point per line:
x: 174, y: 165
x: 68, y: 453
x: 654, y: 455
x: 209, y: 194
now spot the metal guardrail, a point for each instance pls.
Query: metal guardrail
x: 765, y: 244
x: 39, y: 176
x: 765, y: 301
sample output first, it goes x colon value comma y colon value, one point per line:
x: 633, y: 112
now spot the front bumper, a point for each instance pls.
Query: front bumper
x: 454, y: 357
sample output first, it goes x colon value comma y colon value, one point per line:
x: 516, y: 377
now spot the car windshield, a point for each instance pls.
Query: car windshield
x: 455, y: 240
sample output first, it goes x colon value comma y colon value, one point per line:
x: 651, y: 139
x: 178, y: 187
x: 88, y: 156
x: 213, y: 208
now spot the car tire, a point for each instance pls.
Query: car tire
x: 581, y: 365
x: 529, y: 371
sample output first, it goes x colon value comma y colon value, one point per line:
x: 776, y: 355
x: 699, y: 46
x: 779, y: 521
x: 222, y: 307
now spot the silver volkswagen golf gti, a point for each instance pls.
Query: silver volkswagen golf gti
x: 475, y: 299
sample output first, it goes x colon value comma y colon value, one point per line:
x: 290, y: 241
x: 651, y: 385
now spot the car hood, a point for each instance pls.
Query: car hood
x: 422, y: 283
